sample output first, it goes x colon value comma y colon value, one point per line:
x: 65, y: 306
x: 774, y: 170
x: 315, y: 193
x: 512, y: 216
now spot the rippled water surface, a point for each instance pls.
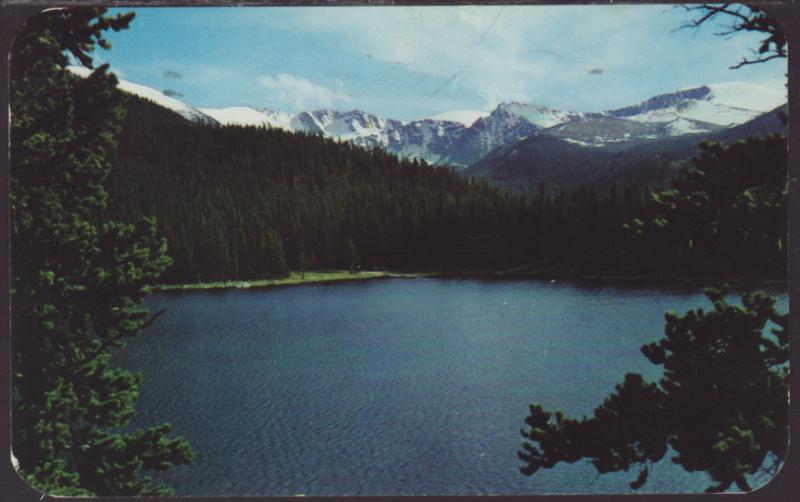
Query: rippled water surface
x: 401, y: 386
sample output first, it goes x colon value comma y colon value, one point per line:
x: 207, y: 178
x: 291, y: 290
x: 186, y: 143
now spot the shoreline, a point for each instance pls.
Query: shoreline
x: 336, y: 276
x: 294, y: 279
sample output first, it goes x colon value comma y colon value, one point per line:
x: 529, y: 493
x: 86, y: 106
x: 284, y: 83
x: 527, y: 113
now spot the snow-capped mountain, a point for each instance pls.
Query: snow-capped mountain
x: 506, y: 124
x: 725, y: 104
x: 244, y: 115
x: 155, y: 96
x: 427, y: 139
x: 546, y: 162
x: 168, y: 102
x: 698, y: 110
x: 465, y: 117
x: 463, y: 137
x: 540, y: 116
x: 353, y: 126
x: 703, y: 109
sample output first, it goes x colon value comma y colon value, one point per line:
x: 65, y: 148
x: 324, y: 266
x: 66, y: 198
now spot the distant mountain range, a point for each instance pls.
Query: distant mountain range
x: 545, y: 162
x: 463, y: 137
x: 525, y: 147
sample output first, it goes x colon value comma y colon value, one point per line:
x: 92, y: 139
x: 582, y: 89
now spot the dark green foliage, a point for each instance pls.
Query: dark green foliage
x: 727, y: 214
x: 722, y: 404
x: 246, y: 203
x: 557, y: 164
x: 77, y: 279
x: 580, y: 233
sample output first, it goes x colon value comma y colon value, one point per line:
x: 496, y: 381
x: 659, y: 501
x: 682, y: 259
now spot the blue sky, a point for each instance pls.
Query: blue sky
x: 414, y: 62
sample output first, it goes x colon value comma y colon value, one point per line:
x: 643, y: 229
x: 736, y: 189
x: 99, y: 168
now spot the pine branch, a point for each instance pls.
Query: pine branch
x: 745, y: 61
x: 153, y: 318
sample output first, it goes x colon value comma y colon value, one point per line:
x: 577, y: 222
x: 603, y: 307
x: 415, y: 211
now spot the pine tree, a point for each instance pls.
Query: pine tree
x: 77, y: 279
x: 722, y: 405
x: 727, y: 211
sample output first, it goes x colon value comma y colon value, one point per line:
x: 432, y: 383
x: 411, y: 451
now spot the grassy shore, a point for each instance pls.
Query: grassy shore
x: 292, y: 279
x: 313, y: 277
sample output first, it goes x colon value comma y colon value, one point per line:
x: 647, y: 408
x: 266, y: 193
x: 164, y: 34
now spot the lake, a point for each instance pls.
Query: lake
x: 396, y: 386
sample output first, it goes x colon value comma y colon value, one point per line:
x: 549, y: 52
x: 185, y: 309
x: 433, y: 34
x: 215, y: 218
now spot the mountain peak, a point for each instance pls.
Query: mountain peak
x: 155, y: 96
x: 662, y: 101
x: 465, y: 117
x: 705, y: 107
x: 540, y: 116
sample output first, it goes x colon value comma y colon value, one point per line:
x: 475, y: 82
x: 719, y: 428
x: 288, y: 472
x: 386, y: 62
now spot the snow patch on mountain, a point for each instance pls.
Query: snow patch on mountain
x: 278, y: 120
x: 707, y: 111
x: 153, y: 95
x: 540, y: 116
x: 582, y: 143
x: 723, y: 105
x: 716, y: 113
x: 352, y: 125
x: 681, y: 126
x: 747, y: 95
x: 465, y: 117
x: 246, y: 116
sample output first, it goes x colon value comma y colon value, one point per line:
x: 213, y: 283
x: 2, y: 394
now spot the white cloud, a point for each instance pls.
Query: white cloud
x: 414, y: 61
x: 498, y: 53
x: 544, y: 53
x: 298, y: 94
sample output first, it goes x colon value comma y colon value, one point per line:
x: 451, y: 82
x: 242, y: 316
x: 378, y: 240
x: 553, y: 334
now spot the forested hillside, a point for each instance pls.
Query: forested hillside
x: 239, y: 202
x: 248, y: 203
x: 546, y: 161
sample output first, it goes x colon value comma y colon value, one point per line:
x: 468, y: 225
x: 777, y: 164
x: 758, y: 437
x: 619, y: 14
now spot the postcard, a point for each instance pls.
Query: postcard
x: 399, y: 250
